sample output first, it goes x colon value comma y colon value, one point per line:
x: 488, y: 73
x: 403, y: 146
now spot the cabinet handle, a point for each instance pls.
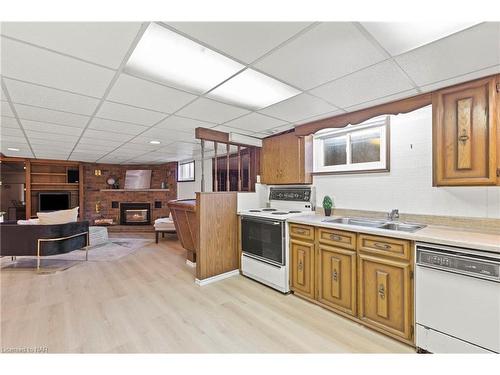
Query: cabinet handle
x: 381, y: 245
x: 463, y: 138
x: 334, y: 275
x: 300, y: 266
x: 381, y: 291
x: 335, y: 237
x: 300, y: 231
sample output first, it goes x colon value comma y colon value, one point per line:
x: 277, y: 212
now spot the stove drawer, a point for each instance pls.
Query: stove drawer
x: 303, y: 232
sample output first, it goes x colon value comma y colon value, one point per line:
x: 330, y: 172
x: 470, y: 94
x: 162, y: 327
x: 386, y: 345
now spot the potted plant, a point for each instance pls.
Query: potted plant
x: 327, y: 205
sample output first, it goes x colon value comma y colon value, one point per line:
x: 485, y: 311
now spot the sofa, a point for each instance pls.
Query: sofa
x: 42, y: 240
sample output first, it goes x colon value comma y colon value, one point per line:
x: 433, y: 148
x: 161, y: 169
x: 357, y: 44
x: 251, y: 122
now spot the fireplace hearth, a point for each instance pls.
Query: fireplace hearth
x: 135, y: 213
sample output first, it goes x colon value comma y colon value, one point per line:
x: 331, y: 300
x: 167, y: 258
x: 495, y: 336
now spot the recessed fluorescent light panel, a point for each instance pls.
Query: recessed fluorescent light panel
x: 155, y: 142
x: 400, y: 37
x: 13, y: 149
x: 167, y: 57
x: 253, y: 90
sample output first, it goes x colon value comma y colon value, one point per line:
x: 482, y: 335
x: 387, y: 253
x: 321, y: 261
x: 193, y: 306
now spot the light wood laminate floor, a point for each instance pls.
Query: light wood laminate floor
x: 148, y: 302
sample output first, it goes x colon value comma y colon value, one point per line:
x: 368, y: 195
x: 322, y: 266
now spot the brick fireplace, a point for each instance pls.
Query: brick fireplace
x: 101, y: 202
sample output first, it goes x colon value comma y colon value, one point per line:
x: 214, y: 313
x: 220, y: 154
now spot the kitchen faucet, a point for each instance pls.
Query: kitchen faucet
x: 393, y: 215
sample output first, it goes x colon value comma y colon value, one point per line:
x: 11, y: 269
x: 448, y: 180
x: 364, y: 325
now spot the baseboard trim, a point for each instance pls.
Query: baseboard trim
x: 215, y: 278
x: 190, y: 264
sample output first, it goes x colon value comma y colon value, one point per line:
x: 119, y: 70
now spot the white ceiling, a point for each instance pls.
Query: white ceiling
x: 67, y: 96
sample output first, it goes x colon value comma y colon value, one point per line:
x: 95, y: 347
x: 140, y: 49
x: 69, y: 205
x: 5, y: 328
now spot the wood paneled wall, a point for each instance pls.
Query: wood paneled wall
x: 217, y: 250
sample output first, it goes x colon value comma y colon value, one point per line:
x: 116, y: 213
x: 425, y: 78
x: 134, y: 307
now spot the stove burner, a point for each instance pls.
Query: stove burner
x: 279, y: 213
x: 254, y: 210
x: 294, y: 212
x: 269, y: 209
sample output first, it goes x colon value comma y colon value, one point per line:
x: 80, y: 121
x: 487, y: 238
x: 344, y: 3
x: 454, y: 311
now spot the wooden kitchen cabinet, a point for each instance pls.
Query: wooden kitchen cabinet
x: 302, y: 267
x: 465, y: 134
x: 286, y: 159
x: 337, y: 278
x: 385, y: 295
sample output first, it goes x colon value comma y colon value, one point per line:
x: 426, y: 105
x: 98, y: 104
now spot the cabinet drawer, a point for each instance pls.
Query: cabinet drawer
x: 387, y: 246
x: 302, y: 231
x: 338, y: 238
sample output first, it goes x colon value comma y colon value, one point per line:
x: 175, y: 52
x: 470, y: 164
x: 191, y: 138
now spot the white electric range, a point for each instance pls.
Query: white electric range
x: 264, y: 235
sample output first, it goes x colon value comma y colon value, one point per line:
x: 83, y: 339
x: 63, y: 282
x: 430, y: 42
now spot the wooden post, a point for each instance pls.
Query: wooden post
x: 216, y: 185
x: 202, y: 165
x: 27, y: 193
x: 239, y: 168
x: 227, y: 167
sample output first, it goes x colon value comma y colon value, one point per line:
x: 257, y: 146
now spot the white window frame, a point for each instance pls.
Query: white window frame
x: 189, y: 178
x: 383, y: 123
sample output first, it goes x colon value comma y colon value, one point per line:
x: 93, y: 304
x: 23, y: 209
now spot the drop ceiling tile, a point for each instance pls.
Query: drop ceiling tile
x: 116, y: 126
x: 145, y: 94
x: 5, y: 110
x: 298, y: 108
x: 100, y: 142
x: 32, y: 64
x: 385, y: 99
x: 26, y: 112
x: 25, y: 93
x: 164, y: 136
x: 111, y: 136
x: 8, y: 122
x: 18, y: 139
x: 51, y: 155
x: 320, y: 117
x: 104, y: 43
x: 120, y: 112
x: 212, y: 111
x: 368, y: 84
x: 3, y: 97
x: 39, y: 137
x: 461, y: 53
x: 462, y: 78
x: 280, y: 129
x: 245, y: 41
x: 400, y: 37
x: 97, y: 149
x: 24, y: 151
x: 43, y: 127
x: 254, y: 122
x: 11, y: 132
x: 227, y: 129
x: 182, y: 124
x: 328, y: 51
x: 90, y: 158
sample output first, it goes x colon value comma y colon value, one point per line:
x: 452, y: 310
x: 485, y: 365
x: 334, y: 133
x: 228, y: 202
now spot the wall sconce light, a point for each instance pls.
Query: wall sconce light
x: 97, y: 172
x: 98, y: 207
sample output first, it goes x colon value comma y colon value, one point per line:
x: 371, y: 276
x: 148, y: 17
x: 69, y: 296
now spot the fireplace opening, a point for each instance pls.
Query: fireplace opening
x: 135, y: 213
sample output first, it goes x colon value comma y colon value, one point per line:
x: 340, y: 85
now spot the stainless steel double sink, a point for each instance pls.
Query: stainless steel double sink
x: 375, y: 223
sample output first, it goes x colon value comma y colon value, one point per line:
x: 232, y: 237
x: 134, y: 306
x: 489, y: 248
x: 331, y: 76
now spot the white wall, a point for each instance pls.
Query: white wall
x: 187, y: 190
x: 408, y: 185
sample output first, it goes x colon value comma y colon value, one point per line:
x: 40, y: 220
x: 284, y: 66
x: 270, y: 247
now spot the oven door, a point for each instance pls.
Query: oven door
x: 263, y: 239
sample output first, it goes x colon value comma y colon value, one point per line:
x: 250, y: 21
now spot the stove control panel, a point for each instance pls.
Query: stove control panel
x: 290, y: 194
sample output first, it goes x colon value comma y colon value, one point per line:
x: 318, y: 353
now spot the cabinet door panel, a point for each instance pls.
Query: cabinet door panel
x: 302, y: 267
x: 337, y: 278
x: 465, y: 128
x: 385, y: 295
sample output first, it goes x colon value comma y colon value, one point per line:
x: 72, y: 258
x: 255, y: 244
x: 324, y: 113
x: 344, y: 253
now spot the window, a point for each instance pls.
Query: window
x: 356, y: 148
x: 185, y: 171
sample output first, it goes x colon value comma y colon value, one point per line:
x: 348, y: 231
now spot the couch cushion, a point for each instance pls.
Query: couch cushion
x: 58, y: 217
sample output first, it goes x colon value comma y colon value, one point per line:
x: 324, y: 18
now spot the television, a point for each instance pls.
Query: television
x: 138, y: 179
x: 53, y: 201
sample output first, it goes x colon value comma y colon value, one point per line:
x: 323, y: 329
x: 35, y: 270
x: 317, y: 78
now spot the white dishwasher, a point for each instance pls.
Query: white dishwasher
x: 457, y: 300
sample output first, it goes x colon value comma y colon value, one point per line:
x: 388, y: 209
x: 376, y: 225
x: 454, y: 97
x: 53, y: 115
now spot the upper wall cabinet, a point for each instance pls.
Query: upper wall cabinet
x: 465, y: 134
x: 286, y: 159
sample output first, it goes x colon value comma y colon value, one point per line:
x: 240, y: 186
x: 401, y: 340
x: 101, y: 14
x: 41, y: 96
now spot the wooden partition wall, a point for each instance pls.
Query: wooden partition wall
x: 217, y: 242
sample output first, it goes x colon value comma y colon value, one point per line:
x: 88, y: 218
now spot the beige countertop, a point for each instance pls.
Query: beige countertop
x: 431, y: 233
